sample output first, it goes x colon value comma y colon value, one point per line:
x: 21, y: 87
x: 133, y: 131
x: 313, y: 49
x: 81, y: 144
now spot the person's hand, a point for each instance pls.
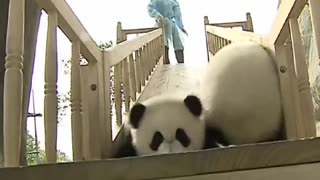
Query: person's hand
x: 184, y: 31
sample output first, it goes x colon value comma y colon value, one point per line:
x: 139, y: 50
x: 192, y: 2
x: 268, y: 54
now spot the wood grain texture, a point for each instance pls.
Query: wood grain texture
x: 174, y: 78
x: 245, y: 157
x: 297, y: 172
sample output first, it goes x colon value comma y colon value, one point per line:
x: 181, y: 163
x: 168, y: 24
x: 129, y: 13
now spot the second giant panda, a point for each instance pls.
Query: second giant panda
x: 240, y: 93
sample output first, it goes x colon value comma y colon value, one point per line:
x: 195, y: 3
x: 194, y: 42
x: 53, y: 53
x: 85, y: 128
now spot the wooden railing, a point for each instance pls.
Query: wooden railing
x: 133, y: 62
x: 219, y: 35
x: 285, y: 43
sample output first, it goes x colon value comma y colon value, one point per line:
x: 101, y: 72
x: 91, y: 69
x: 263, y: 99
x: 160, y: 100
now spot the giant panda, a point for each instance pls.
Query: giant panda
x: 166, y: 124
x: 240, y: 93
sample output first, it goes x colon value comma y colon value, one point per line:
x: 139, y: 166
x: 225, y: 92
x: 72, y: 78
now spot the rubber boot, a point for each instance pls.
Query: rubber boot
x: 179, y: 56
x: 166, y: 56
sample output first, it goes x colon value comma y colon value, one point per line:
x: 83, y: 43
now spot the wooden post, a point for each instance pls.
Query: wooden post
x: 85, y: 113
x: 121, y: 36
x: 138, y: 70
x: 93, y: 125
x: 249, y: 22
x: 132, y: 76
x: 315, y: 17
x: 141, y: 59
x: 50, y: 89
x: 117, y: 94
x: 13, y: 83
x: 76, y: 116
x: 125, y: 83
x: 206, y: 22
x: 289, y: 90
x: 302, y: 76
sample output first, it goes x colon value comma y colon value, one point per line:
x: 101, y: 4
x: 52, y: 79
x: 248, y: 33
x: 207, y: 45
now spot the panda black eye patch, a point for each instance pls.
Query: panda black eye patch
x: 182, y: 137
x: 156, y: 141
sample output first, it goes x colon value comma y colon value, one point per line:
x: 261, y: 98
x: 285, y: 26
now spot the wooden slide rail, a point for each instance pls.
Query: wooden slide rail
x: 275, y: 159
x: 134, y: 60
x: 285, y: 42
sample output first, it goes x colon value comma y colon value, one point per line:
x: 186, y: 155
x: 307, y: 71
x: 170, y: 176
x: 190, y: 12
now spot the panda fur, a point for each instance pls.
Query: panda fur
x: 240, y: 93
x: 166, y: 124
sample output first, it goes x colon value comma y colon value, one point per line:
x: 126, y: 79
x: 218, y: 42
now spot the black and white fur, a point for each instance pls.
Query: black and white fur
x: 241, y: 94
x: 166, y: 124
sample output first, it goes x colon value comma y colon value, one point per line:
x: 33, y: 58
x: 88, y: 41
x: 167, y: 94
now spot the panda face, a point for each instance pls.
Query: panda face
x: 167, y: 125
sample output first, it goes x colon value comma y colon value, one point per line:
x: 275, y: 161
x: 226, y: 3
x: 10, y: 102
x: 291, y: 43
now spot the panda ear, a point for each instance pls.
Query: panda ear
x: 136, y: 114
x: 193, y: 103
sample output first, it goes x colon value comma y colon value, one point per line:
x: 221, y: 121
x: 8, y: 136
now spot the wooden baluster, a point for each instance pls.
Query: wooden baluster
x: 249, y: 26
x: 145, y: 63
x: 154, y: 52
x: 126, y: 85
x: 138, y: 71
x: 315, y: 16
x: 50, y: 89
x: 85, y: 113
x: 13, y: 83
x: 158, y: 52
x: 132, y: 77
x: 76, y: 116
x: 207, y: 37
x: 160, y: 49
x: 289, y: 93
x: 117, y: 93
x: 212, y: 43
x: 148, y: 60
x: 152, y: 55
x: 215, y: 44
x: 142, y: 67
x: 301, y: 70
x: 149, y: 48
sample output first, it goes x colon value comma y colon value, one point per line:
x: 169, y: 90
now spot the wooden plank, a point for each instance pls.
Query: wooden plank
x: 236, y: 35
x: 118, y: 53
x: 296, y: 172
x: 235, y: 158
x: 180, y: 78
x: 229, y: 24
x: 139, y: 30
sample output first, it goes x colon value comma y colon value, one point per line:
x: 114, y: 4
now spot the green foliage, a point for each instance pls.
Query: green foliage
x: 33, y: 150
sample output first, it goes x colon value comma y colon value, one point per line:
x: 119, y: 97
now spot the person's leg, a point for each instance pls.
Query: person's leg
x: 178, y: 45
x: 168, y: 38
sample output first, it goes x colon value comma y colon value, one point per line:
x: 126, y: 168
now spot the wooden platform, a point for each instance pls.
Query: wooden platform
x: 278, y: 160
